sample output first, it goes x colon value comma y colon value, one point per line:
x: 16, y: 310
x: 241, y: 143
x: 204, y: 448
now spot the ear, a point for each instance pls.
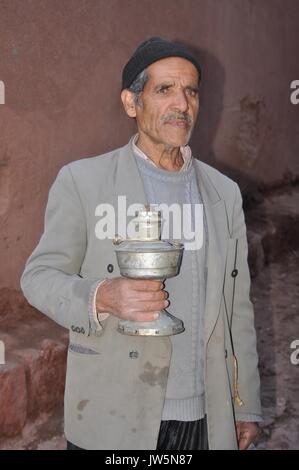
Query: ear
x: 127, y: 98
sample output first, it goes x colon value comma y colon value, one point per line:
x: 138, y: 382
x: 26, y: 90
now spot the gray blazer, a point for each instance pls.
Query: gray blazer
x: 113, y: 399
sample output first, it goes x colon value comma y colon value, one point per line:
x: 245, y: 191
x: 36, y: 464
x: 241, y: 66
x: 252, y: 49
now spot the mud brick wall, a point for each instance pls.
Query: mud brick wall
x: 61, y: 65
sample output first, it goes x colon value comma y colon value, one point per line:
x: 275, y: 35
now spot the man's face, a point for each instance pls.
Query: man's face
x: 169, y: 103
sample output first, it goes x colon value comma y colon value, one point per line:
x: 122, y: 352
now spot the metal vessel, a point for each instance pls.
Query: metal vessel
x: 146, y: 256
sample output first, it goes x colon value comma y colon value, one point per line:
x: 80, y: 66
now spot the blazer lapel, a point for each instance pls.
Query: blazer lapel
x: 127, y: 179
x: 217, y: 227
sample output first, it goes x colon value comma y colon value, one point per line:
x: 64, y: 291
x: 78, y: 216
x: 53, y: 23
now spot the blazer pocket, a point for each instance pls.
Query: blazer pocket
x: 77, y: 348
x: 81, y: 345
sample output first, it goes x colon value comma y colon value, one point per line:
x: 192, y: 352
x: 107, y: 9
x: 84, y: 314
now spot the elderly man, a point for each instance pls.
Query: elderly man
x: 198, y: 389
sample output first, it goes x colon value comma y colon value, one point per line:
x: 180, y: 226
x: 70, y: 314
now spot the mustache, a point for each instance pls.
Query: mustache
x: 176, y: 117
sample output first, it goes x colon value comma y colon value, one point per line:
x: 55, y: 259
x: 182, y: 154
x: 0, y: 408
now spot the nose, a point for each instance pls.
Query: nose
x: 181, y: 101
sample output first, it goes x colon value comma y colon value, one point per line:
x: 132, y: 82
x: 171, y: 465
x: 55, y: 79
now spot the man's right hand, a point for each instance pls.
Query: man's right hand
x: 132, y: 299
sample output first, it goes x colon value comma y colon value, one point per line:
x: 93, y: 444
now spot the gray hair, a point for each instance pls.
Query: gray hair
x: 138, y: 85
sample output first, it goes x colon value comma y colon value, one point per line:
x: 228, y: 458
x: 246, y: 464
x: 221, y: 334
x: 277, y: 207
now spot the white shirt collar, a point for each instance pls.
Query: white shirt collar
x: 185, y: 152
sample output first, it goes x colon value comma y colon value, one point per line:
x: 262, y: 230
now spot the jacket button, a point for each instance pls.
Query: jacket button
x: 82, y: 331
x: 77, y: 329
x: 72, y: 328
x: 133, y: 354
x: 110, y: 268
x: 235, y: 273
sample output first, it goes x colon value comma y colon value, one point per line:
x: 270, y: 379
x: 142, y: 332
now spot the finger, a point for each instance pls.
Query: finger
x: 152, y: 296
x: 152, y: 306
x: 245, y: 440
x: 142, y: 316
x: 147, y: 285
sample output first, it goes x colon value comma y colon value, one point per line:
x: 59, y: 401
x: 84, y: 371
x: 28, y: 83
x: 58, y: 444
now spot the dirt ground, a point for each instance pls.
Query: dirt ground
x: 45, y: 433
x: 275, y: 294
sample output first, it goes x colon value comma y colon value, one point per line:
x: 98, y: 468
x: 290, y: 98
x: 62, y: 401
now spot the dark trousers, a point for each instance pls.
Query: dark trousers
x: 177, y: 435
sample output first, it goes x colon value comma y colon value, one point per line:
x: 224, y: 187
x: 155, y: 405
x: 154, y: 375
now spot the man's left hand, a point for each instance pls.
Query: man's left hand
x: 246, y: 433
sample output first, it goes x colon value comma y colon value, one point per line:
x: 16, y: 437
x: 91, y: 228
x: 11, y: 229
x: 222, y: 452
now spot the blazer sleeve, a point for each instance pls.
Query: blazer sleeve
x: 242, y: 326
x: 51, y: 280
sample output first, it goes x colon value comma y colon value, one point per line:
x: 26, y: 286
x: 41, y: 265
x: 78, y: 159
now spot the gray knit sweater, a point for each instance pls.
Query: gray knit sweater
x: 185, y: 387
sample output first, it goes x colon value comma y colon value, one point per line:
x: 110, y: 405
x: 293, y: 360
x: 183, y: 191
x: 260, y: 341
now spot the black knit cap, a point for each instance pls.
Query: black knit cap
x: 150, y: 51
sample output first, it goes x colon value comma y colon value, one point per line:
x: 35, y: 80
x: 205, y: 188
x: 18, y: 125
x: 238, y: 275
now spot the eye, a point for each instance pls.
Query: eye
x: 192, y: 92
x: 163, y: 90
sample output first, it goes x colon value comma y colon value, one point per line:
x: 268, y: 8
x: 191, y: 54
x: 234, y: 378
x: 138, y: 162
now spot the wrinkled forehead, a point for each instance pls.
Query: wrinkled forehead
x: 173, y: 69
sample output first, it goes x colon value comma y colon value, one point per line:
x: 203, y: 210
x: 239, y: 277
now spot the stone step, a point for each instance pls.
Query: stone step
x: 33, y: 377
